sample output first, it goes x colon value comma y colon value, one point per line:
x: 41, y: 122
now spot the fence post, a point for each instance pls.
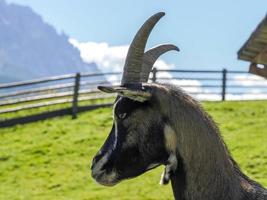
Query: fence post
x: 154, y: 74
x: 75, y: 96
x: 224, y: 78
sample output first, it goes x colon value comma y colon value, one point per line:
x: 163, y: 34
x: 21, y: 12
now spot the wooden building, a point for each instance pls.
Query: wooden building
x: 255, y: 50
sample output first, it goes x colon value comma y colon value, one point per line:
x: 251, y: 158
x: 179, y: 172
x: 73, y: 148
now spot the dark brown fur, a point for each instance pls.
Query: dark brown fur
x: 210, y: 171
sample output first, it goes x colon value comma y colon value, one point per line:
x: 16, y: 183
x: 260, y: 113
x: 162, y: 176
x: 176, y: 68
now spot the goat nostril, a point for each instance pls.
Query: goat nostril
x: 93, y: 163
x: 97, y: 157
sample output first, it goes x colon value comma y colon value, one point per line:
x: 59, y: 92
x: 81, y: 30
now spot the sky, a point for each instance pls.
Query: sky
x: 209, y: 33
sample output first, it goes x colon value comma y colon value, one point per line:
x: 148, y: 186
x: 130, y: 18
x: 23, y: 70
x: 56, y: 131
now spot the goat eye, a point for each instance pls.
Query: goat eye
x: 122, y: 115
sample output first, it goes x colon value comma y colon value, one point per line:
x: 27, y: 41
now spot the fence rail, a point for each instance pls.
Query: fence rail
x: 74, y: 88
x: 215, y: 84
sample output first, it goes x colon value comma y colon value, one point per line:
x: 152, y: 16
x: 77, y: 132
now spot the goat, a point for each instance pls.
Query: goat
x: 159, y: 124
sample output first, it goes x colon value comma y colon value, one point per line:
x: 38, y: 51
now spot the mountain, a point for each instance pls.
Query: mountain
x: 31, y: 48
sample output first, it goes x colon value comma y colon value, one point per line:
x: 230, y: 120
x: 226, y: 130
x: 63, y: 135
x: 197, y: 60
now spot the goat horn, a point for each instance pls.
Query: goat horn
x: 151, y: 56
x: 134, y: 59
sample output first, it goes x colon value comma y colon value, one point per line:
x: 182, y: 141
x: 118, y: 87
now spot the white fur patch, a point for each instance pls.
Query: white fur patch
x: 170, y: 139
x: 171, y: 147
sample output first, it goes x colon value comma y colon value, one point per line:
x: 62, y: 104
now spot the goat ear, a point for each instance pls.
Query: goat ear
x: 136, y: 94
x: 107, y: 89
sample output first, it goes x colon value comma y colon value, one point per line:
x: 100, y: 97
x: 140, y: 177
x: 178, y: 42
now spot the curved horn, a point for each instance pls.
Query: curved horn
x: 134, y: 59
x: 151, y: 56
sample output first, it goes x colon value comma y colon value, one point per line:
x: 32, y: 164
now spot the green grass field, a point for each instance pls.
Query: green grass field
x: 51, y: 159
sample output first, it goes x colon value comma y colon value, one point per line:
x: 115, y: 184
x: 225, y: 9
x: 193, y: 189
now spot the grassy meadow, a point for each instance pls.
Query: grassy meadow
x: 51, y: 159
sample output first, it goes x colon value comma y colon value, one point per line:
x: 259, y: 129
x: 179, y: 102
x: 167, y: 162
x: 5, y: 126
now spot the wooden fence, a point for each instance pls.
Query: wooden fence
x: 69, y: 89
x: 76, y: 88
x: 217, y: 85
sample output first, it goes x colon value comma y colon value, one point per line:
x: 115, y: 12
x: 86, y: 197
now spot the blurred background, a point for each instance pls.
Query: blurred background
x: 53, y: 54
x: 208, y: 33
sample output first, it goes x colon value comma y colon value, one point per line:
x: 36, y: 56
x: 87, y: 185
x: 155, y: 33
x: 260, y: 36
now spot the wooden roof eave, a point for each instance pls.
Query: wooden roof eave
x: 255, y: 50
